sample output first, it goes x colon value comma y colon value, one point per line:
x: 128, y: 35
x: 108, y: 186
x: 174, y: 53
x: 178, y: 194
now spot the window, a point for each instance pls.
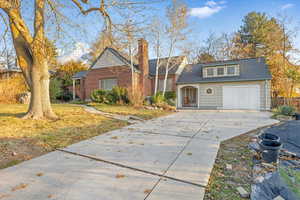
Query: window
x: 210, y: 72
x: 209, y: 91
x: 220, y: 71
x: 231, y: 70
x: 108, y: 84
x: 161, y: 84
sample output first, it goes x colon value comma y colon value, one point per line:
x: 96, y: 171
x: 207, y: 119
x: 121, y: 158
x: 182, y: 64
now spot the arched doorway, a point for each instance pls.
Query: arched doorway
x: 189, y: 96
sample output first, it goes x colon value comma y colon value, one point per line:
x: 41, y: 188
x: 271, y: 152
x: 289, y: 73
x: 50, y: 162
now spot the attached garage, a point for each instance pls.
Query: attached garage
x: 241, y: 97
x: 243, y: 84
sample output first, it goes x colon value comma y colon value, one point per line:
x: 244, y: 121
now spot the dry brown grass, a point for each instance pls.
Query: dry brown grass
x: 10, y: 88
x: 24, y: 139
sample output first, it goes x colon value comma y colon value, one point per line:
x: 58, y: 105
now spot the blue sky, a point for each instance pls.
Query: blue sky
x: 216, y: 16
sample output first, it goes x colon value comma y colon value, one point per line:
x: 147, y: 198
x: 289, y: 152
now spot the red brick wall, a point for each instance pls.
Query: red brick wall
x: 162, y: 77
x: 121, y: 73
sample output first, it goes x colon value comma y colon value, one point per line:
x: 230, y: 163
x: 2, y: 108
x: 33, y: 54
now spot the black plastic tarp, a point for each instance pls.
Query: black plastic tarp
x: 273, y: 184
x: 289, y: 134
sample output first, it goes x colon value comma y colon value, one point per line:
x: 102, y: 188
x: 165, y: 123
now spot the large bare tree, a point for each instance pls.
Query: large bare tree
x: 30, y: 44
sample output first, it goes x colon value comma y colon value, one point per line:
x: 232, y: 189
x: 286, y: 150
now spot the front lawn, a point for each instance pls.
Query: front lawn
x: 130, y: 110
x: 24, y: 139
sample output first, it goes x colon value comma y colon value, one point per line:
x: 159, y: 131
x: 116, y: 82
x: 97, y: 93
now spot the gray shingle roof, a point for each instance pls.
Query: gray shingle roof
x: 80, y: 74
x: 175, y: 63
x: 251, y: 69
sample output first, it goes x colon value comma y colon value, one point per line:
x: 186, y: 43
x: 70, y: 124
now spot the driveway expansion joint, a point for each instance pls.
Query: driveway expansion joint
x: 128, y: 167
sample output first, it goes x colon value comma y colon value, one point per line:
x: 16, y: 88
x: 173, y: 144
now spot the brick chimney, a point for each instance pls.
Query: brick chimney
x: 144, y: 66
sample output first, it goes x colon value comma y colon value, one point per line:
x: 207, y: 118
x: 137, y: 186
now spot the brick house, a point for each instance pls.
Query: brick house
x: 112, y: 68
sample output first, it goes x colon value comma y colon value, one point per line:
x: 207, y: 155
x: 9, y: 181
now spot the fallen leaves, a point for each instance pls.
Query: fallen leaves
x: 2, y: 196
x: 19, y: 187
x: 147, y: 191
x: 120, y: 176
x: 39, y: 174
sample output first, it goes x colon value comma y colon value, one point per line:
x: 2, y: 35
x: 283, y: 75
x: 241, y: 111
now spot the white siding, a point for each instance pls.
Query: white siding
x: 215, y: 100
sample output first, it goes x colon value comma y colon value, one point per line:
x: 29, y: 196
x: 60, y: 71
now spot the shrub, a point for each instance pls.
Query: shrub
x: 286, y: 110
x: 55, y: 89
x: 170, y: 95
x: 66, y: 95
x: 158, y: 99
x: 120, y: 95
x: 171, y: 102
x: 99, y: 96
x: 116, y: 95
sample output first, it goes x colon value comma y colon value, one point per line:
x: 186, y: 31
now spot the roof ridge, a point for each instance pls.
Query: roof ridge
x: 166, y: 57
x: 230, y: 60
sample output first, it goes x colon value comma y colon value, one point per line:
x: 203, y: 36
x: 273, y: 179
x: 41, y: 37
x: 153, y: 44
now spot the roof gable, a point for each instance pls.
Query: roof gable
x: 109, y: 58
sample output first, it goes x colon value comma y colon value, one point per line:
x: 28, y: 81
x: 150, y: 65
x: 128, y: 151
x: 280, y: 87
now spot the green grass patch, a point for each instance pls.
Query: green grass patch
x: 292, y: 178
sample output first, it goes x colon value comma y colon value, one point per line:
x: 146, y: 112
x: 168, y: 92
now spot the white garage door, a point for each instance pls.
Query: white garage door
x: 241, y: 97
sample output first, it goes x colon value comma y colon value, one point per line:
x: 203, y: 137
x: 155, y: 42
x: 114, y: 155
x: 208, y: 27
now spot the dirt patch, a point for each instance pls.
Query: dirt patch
x: 14, y: 151
x: 225, y: 180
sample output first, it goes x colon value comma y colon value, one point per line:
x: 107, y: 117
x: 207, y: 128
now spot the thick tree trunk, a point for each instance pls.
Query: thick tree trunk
x: 40, y: 105
x: 35, y: 110
x: 45, y: 98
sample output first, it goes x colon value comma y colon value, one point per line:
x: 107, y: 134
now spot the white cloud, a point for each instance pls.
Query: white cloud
x: 287, y: 6
x: 210, y: 8
x: 77, y: 53
x: 211, y: 3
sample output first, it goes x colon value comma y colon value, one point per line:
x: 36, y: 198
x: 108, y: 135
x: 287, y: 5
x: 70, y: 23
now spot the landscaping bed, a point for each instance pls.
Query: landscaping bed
x: 25, y: 139
x: 232, y: 169
x: 130, y: 110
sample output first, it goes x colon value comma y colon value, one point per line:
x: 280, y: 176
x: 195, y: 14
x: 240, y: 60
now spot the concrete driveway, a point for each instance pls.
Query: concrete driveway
x: 167, y: 158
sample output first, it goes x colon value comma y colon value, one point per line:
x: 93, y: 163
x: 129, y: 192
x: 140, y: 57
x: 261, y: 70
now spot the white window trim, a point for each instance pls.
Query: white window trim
x: 215, y: 71
x: 206, y: 70
x: 212, y: 89
x: 235, y: 70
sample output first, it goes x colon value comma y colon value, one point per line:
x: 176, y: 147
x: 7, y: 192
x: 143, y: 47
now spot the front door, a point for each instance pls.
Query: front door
x: 189, y: 97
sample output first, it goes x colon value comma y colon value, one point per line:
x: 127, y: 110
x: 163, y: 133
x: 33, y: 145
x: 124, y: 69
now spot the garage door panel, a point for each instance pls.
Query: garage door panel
x: 241, y: 97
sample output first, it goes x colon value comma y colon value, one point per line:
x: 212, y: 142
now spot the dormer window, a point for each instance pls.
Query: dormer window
x: 220, y: 71
x: 210, y: 72
x: 231, y: 70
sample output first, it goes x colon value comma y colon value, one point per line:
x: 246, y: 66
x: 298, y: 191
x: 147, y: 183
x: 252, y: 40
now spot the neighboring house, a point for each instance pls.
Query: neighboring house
x: 112, y: 68
x: 7, y: 73
x: 233, y: 84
